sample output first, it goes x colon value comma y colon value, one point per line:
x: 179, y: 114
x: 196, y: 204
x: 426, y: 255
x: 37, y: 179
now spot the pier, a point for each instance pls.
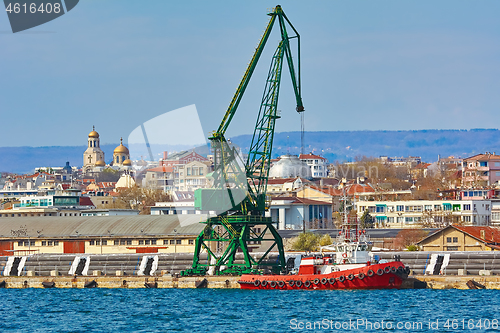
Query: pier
x: 213, y: 282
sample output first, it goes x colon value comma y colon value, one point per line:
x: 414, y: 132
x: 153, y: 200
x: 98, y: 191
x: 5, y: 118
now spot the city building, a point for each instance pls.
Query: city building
x: 481, y: 170
x: 48, y: 205
x: 462, y: 238
x: 182, y: 157
x: 191, y: 175
x: 412, y: 213
x: 98, y: 234
x: 450, y: 163
x: 318, y: 164
x: 297, y: 213
x: 401, y: 161
x: 161, y: 177
x: 26, y: 182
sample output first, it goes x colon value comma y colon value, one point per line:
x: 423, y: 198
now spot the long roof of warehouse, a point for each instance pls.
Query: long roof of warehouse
x: 105, y: 226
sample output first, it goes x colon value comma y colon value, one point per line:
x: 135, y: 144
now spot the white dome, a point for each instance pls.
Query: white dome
x: 289, y: 166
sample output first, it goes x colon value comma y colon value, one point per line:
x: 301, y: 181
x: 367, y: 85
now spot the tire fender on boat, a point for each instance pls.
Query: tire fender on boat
x: 387, y: 269
x: 370, y: 272
x: 291, y: 283
x: 350, y: 277
x: 307, y: 283
x: 256, y: 283
x: 380, y: 271
x: 341, y: 278
x: 298, y: 283
x: 263, y: 283
x: 272, y: 284
x: 281, y: 284
x: 361, y: 275
x: 394, y: 269
x: 332, y: 280
x: 316, y: 281
x: 324, y: 280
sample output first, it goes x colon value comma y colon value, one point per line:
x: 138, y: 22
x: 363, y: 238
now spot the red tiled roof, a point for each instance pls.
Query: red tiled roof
x: 106, y: 184
x: 162, y: 168
x: 85, y: 201
x: 276, y: 181
x: 491, y: 235
x: 483, y: 157
x: 422, y: 166
x: 359, y: 188
x: 310, y: 156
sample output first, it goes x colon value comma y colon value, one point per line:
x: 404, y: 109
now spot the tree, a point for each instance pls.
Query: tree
x: 306, y: 242
x: 325, y: 240
x: 408, y: 238
x: 412, y: 247
x: 140, y: 198
x: 366, y: 221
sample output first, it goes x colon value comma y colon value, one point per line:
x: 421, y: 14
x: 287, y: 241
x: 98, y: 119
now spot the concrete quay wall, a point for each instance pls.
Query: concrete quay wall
x: 216, y: 282
x: 130, y: 282
x: 458, y: 281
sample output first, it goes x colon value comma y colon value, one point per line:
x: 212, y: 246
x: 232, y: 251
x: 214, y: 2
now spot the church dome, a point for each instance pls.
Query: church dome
x: 289, y: 166
x: 127, y: 162
x: 67, y: 168
x: 93, y: 134
x: 100, y: 163
x: 121, y: 149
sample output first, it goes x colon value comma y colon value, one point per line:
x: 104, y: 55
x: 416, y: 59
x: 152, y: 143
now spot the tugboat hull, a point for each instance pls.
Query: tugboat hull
x: 378, y: 276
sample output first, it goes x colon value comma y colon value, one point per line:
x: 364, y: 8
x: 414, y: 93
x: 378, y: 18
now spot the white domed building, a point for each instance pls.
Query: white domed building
x: 289, y: 166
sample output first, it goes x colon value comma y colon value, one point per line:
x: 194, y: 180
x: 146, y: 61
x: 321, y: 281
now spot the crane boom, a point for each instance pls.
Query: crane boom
x: 231, y: 110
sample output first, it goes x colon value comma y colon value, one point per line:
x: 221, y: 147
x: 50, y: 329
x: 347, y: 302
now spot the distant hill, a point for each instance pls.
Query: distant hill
x: 334, y: 145
x: 347, y: 145
x: 26, y: 159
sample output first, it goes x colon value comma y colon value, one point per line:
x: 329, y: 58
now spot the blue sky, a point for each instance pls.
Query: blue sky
x: 376, y: 65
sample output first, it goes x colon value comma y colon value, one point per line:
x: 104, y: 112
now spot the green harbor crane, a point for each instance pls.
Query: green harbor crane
x: 239, y: 190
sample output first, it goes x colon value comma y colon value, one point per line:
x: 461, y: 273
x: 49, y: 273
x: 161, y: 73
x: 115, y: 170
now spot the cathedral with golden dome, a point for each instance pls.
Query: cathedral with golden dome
x: 93, y: 157
x: 121, y: 156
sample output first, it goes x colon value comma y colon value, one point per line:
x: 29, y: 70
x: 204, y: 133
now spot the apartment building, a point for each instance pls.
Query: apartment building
x: 481, y: 170
x: 414, y: 213
x: 318, y: 164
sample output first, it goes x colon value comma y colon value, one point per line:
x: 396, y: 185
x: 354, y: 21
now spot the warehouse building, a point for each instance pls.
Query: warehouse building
x: 99, y: 234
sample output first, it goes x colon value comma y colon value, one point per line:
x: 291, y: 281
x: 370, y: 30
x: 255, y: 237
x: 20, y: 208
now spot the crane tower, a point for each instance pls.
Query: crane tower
x: 239, y: 189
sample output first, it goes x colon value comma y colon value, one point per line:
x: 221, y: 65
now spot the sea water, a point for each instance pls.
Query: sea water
x: 233, y: 310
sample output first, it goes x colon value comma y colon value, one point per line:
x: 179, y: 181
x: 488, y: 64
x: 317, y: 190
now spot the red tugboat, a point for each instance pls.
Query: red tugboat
x: 350, y: 267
